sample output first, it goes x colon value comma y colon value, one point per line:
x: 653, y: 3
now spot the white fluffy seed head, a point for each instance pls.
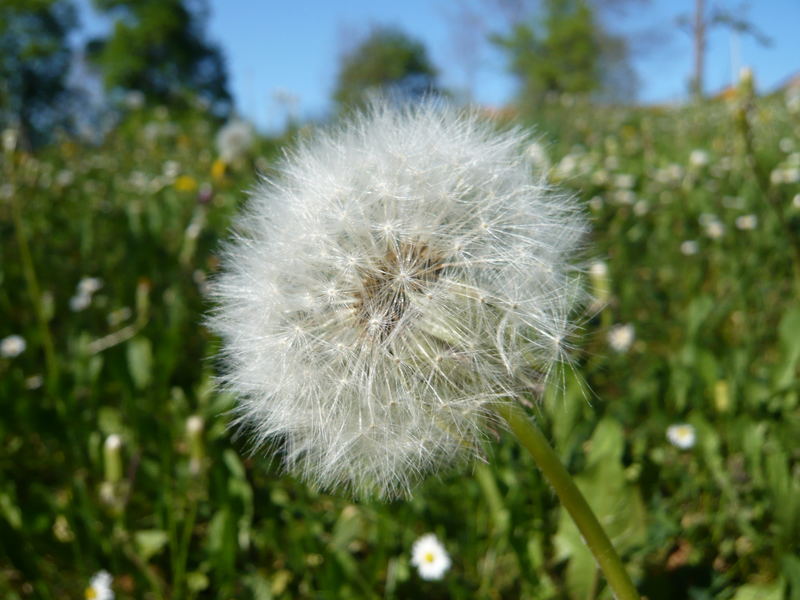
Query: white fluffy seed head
x: 402, y: 273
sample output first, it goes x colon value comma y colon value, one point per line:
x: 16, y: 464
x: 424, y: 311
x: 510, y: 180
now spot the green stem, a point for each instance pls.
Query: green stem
x: 29, y: 272
x: 596, y: 539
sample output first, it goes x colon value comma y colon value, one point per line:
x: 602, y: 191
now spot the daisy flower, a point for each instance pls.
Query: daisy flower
x: 429, y: 557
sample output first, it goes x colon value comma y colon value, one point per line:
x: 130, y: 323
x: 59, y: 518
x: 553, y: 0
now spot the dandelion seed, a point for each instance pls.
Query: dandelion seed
x: 681, y: 435
x: 12, y: 346
x: 621, y: 337
x: 100, y: 587
x: 404, y: 273
x: 429, y: 557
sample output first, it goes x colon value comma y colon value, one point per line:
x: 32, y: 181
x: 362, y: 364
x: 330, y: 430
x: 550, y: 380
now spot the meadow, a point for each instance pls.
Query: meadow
x: 107, y: 250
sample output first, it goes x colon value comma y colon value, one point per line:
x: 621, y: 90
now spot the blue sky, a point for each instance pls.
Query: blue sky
x: 278, y: 50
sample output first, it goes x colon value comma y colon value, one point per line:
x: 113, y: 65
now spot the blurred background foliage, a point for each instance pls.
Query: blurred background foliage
x: 107, y: 244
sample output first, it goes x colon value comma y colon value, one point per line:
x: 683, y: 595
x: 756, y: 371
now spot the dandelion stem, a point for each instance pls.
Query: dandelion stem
x: 593, y: 534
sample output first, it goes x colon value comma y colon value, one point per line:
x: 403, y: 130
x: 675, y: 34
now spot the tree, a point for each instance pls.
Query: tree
x: 34, y: 62
x: 386, y: 60
x: 158, y: 48
x: 565, y: 49
x: 701, y: 22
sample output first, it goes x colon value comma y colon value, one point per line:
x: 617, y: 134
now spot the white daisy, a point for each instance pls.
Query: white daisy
x: 100, y: 587
x: 89, y: 285
x: 620, y: 337
x: 689, y: 247
x: 747, y: 222
x: 681, y: 435
x: 12, y: 346
x: 429, y: 557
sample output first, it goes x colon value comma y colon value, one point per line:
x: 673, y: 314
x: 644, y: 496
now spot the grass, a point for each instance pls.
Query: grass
x: 717, y: 345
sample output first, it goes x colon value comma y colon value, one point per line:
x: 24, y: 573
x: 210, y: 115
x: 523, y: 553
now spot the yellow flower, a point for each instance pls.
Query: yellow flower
x: 218, y: 169
x: 185, y: 183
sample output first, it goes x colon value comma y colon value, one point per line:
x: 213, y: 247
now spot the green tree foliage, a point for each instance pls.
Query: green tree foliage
x: 34, y: 62
x: 387, y: 59
x: 159, y: 48
x: 565, y: 49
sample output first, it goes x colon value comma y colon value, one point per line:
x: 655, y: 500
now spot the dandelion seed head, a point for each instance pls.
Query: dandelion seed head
x: 403, y: 272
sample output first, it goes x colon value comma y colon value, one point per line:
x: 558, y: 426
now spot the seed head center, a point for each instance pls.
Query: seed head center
x: 387, y: 286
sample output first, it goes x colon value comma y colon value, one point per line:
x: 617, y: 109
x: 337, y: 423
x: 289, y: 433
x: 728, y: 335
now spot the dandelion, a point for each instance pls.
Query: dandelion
x: 405, y: 273
x: 403, y: 282
x: 621, y: 337
x: 12, y: 346
x: 681, y: 435
x: 234, y: 140
x: 185, y: 183
x: 429, y: 557
x: 100, y: 587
